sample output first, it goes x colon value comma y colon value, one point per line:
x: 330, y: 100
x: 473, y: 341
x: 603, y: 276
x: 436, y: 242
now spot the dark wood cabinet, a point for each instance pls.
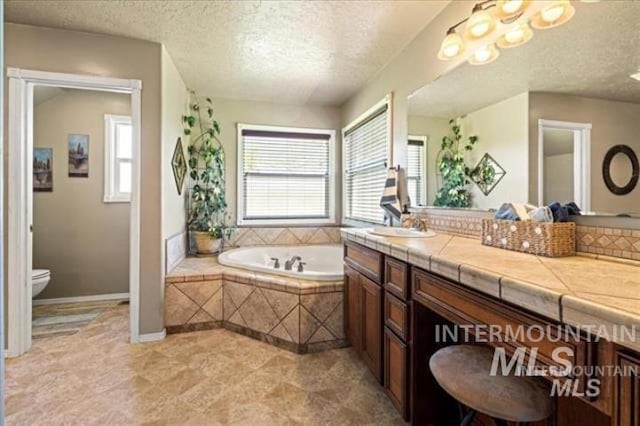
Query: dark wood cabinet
x: 363, y: 318
x: 627, y: 394
x: 371, y: 316
x: 396, y: 370
x: 352, y: 321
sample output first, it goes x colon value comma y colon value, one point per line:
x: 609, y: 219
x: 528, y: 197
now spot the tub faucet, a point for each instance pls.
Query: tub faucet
x: 276, y: 262
x: 288, y: 264
x: 301, y: 266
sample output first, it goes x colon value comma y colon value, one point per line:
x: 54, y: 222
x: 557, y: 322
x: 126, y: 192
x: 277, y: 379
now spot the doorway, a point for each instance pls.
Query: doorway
x: 20, y: 201
x: 564, y: 163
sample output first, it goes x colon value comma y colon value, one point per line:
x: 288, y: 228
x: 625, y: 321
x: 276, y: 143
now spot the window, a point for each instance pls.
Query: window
x: 366, y: 147
x: 416, y: 181
x: 285, y: 175
x: 118, y: 143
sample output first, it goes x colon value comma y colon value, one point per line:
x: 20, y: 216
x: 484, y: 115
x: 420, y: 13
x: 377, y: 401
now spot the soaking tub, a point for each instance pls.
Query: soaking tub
x: 322, y: 262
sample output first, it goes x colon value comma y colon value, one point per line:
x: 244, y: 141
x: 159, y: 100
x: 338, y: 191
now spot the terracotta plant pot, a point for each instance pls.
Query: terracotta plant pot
x: 205, y: 244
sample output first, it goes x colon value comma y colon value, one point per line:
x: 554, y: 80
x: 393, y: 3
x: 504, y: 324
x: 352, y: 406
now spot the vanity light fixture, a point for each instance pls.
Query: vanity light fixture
x: 635, y: 76
x: 452, y: 46
x: 484, y: 55
x: 510, y: 9
x: 479, y: 24
x: 554, y: 15
x: 517, y: 36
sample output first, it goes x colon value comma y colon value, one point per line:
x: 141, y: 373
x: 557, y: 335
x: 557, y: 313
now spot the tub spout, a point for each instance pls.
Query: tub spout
x: 288, y: 264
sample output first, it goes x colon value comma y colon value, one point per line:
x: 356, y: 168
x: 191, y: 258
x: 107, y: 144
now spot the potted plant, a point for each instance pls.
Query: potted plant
x: 453, y: 169
x: 207, y: 217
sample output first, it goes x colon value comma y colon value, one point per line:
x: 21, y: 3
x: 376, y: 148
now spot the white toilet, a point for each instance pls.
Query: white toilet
x: 39, y: 280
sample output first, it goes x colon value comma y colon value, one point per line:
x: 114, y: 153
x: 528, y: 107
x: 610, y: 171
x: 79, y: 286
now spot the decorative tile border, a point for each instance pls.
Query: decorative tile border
x: 284, y: 236
x: 299, y: 315
x: 622, y: 243
x: 605, y: 241
x: 461, y: 223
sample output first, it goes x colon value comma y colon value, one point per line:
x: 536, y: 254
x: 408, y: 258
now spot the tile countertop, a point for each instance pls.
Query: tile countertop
x: 581, y: 291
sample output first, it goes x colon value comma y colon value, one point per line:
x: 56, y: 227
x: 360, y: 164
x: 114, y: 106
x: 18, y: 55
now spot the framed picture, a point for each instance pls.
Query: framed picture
x: 78, y: 155
x: 43, y: 169
x: 179, y: 165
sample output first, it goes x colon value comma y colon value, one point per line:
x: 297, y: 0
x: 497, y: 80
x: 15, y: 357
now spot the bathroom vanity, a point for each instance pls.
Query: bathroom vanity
x: 399, y: 291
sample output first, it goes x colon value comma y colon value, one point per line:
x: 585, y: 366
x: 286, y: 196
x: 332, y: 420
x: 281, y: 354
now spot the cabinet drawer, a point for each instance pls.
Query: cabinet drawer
x: 396, y: 383
x: 368, y: 262
x: 467, y: 307
x: 396, y: 315
x: 396, y: 278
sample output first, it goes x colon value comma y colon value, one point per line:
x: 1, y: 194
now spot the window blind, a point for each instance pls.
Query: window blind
x: 366, y: 151
x: 416, y: 171
x: 285, y: 175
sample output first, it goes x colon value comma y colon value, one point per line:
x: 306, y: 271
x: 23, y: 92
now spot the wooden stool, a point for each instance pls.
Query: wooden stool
x: 463, y: 372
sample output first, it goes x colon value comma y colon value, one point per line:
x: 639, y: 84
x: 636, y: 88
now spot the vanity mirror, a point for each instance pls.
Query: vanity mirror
x: 546, y: 113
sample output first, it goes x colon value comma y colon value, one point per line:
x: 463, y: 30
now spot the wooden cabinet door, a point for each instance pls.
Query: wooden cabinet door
x: 352, y: 322
x: 396, y: 358
x: 627, y: 409
x: 371, y: 331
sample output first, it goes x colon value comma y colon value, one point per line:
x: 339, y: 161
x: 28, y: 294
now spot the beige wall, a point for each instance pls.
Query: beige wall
x: 558, y: 178
x: 175, y: 101
x: 434, y: 128
x: 613, y: 123
x: 502, y: 130
x: 81, y: 239
x: 230, y: 113
x: 55, y: 50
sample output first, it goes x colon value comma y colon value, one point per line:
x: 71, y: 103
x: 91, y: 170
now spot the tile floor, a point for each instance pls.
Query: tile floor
x: 66, y: 318
x: 206, y: 377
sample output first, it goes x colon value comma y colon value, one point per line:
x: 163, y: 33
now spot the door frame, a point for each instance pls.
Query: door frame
x: 581, y: 156
x: 20, y: 198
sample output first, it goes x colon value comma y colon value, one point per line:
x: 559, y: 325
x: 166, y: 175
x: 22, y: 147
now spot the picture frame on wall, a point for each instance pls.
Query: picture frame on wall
x: 179, y: 165
x: 42, y: 169
x: 78, y: 151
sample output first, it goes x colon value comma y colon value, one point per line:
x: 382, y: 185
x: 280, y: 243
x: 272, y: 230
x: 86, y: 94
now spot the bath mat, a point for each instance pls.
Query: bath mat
x: 65, y: 319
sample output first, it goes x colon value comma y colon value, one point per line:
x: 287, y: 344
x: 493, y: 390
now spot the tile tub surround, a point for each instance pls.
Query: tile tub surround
x: 211, y: 377
x: 253, y: 236
x: 298, y: 315
x: 581, y: 291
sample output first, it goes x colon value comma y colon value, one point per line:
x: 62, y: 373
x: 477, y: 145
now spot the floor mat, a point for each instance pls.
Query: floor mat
x: 65, y: 319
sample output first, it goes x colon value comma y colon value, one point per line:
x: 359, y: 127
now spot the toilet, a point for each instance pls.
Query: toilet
x: 39, y: 280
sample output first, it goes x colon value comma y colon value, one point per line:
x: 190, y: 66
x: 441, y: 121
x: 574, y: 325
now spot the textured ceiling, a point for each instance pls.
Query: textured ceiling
x: 591, y: 55
x: 298, y: 52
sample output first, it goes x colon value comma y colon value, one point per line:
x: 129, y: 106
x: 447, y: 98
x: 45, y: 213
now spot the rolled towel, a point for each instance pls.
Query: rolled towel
x: 514, y: 211
x: 541, y: 214
x: 560, y: 213
x: 390, y: 201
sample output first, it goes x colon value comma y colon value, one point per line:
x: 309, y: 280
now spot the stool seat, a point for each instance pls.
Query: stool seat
x: 463, y: 372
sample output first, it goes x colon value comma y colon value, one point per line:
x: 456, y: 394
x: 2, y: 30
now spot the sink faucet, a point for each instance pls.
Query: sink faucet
x: 288, y: 264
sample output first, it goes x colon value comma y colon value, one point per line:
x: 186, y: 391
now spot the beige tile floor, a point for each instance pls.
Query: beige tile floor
x: 207, y: 377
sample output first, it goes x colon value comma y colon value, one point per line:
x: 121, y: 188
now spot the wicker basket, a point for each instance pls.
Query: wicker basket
x: 544, y: 239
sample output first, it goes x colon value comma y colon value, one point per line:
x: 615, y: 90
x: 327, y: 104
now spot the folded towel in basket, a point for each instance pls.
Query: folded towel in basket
x: 390, y: 201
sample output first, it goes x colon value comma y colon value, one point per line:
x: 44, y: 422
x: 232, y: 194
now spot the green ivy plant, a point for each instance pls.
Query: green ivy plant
x: 207, y: 198
x: 453, y: 168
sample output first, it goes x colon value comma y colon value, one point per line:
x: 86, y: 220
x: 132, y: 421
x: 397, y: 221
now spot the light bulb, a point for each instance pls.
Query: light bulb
x: 484, y: 55
x: 480, y: 24
x: 506, y: 9
x: 452, y: 46
x: 515, y: 37
x: 554, y: 15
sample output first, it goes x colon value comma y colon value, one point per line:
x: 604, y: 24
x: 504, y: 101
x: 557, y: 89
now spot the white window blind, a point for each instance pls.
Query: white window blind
x: 366, y: 151
x: 286, y: 175
x: 416, y: 171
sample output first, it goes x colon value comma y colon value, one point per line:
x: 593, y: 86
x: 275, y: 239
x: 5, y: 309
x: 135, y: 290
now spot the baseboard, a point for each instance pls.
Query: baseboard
x: 153, y: 337
x: 78, y: 299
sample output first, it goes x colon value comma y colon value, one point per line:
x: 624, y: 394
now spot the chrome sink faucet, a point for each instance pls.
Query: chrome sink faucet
x: 288, y: 264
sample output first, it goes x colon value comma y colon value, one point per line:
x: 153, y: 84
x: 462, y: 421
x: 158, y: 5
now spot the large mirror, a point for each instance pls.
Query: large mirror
x: 535, y: 125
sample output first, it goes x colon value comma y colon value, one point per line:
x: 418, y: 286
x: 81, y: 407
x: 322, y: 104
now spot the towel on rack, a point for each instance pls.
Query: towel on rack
x: 390, y: 202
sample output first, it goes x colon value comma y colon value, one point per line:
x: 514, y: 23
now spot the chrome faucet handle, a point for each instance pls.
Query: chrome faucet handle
x: 301, y: 266
x: 276, y: 263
